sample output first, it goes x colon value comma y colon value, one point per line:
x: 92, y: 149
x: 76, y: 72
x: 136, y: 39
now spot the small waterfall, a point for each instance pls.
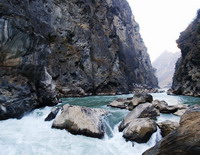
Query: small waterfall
x: 156, y: 137
x: 107, y: 127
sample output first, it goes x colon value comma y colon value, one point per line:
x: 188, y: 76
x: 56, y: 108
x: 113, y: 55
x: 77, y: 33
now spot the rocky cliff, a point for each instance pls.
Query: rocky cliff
x: 51, y: 48
x: 186, y: 79
x: 165, y: 67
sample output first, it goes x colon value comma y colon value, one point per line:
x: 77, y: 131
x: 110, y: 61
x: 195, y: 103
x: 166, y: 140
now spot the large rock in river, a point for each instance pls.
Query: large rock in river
x: 81, y: 120
x: 183, y: 141
x: 141, y: 111
x: 140, y: 130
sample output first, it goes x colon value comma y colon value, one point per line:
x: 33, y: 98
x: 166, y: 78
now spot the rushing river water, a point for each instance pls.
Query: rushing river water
x: 32, y: 136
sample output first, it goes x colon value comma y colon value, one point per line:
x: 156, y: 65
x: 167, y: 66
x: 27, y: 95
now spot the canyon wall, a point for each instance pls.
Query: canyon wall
x: 60, y: 48
x: 186, y: 80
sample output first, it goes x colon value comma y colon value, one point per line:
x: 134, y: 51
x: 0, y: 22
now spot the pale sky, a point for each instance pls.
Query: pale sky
x: 161, y: 22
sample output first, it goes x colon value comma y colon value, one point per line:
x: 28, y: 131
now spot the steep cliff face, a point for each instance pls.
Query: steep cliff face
x: 165, y: 67
x: 186, y: 79
x: 68, y: 47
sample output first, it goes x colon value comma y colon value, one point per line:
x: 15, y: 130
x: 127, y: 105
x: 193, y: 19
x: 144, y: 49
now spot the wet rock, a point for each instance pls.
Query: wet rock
x: 141, y: 111
x: 52, y: 114
x: 81, y: 120
x: 140, y: 130
x: 185, y: 140
x: 167, y: 126
x: 163, y: 107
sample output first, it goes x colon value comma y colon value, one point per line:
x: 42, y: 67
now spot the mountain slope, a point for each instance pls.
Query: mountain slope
x: 165, y: 67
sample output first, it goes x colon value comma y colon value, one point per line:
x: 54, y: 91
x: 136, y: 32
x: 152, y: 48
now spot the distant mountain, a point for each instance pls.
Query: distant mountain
x: 165, y: 66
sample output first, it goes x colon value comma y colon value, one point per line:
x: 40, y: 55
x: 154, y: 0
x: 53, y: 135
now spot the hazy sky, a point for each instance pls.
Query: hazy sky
x: 161, y: 22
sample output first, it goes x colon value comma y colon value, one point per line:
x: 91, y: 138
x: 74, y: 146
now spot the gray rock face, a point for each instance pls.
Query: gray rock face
x: 140, y: 130
x: 186, y: 78
x: 71, y: 48
x: 141, y: 111
x: 81, y: 120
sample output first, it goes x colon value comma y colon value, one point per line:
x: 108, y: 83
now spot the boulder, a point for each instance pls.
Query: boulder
x: 185, y: 140
x: 163, y: 107
x: 140, y: 130
x: 141, y: 111
x: 119, y: 103
x: 53, y: 113
x: 167, y: 126
x: 81, y: 120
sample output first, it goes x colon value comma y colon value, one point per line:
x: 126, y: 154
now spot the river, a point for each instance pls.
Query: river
x: 32, y: 136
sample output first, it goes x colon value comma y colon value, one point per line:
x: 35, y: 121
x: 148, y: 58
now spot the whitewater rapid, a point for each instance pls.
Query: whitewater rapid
x: 32, y: 136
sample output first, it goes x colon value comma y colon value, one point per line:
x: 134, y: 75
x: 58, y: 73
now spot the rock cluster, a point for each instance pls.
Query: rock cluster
x: 140, y: 123
x: 131, y: 103
x: 187, y: 73
x: 68, y: 48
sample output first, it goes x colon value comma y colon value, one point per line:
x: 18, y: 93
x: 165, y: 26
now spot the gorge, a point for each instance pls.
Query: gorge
x: 87, y: 60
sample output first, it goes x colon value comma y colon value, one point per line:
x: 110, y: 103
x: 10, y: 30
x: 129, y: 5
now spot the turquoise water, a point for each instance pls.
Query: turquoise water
x: 31, y: 135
